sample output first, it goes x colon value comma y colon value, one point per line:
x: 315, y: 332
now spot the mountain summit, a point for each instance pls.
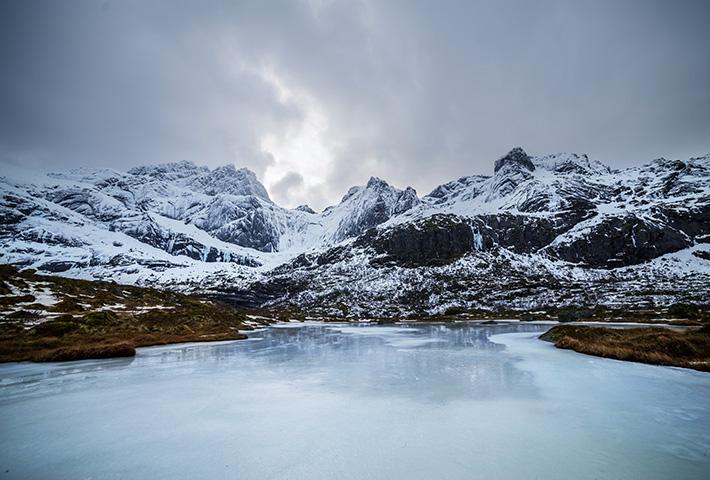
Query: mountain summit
x: 516, y: 158
x: 541, y: 230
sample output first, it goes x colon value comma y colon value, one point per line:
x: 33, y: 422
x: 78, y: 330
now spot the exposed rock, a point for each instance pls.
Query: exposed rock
x: 370, y: 206
x: 571, y: 163
x: 465, y: 188
x: 541, y: 231
x: 436, y: 240
x: 57, y: 267
x: 253, y: 230
x: 516, y: 158
x: 229, y: 180
x: 305, y: 208
x: 511, y: 171
x: 407, y: 200
x: 694, y: 220
x: 619, y: 241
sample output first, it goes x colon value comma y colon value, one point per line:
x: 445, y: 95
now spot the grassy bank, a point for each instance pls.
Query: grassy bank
x: 677, y: 314
x: 45, y: 318
x: 657, y: 346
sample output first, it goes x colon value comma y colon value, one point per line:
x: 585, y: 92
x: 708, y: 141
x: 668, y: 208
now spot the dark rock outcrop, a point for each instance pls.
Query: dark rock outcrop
x: 58, y: 267
x: 519, y: 233
x: 620, y: 241
x: 516, y: 157
x: 693, y: 221
x: 436, y: 240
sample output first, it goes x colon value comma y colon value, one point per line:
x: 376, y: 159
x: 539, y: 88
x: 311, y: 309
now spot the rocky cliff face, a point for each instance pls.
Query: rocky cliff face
x: 366, y: 207
x: 436, y: 240
x: 535, y: 232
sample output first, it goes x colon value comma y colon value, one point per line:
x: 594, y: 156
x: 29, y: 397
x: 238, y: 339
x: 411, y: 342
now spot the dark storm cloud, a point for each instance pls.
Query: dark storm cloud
x: 120, y: 84
x: 414, y: 92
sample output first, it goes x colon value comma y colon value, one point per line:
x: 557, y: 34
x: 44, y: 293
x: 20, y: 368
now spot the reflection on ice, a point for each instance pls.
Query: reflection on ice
x: 346, y: 401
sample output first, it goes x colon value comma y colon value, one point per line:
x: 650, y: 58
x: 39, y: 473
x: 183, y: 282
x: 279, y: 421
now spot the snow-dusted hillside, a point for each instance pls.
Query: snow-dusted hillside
x: 542, y: 230
x: 155, y: 223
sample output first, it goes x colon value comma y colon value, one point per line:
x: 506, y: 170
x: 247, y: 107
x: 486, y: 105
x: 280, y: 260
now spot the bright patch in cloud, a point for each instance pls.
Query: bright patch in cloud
x: 302, y: 148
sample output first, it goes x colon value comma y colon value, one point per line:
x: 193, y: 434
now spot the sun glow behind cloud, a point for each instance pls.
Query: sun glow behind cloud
x: 302, y: 156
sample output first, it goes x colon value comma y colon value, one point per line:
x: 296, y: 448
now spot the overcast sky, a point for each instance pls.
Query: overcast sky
x: 316, y: 96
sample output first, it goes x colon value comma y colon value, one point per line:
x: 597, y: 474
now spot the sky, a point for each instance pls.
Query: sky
x: 315, y: 96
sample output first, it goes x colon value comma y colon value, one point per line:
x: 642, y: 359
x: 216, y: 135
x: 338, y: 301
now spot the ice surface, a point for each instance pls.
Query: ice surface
x: 336, y: 401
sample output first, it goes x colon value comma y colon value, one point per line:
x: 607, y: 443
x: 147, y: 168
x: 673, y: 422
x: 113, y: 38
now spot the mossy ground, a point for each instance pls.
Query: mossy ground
x: 102, y: 319
x: 653, y: 345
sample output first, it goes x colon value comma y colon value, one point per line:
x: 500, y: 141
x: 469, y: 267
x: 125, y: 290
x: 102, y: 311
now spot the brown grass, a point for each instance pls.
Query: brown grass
x: 77, y: 339
x: 657, y: 346
x: 79, y: 352
x: 79, y: 333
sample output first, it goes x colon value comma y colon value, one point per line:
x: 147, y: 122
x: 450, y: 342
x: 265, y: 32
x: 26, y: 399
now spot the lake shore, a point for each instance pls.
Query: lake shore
x: 47, y: 318
x: 689, y: 348
x: 412, y: 401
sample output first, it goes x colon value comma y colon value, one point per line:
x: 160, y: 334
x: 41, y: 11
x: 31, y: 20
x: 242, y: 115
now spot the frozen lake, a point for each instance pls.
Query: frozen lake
x: 349, y: 402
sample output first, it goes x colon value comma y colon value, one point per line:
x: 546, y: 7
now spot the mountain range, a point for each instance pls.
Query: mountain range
x: 559, y: 229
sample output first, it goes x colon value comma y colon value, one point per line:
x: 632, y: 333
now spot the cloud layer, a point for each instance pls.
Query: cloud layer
x: 316, y: 96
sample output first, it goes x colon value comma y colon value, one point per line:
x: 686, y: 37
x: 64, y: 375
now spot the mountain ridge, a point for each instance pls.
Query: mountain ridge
x: 178, y: 225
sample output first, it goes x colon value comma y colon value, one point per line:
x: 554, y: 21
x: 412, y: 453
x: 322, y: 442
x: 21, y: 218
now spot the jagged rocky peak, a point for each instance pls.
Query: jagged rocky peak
x: 698, y: 166
x: 170, y: 170
x: 407, y: 199
x: 305, y: 208
x: 369, y: 206
x: 536, y: 217
x: 516, y: 158
x: 398, y: 200
x: 377, y: 182
x: 374, y: 183
x: 571, y: 163
x: 510, y: 171
x: 701, y: 159
x: 352, y: 191
x: 376, y: 187
x: 230, y: 180
x: 226, y: 179
x: 464, y: 188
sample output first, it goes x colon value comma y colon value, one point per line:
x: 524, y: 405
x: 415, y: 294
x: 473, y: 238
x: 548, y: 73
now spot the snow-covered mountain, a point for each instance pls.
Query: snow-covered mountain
x: 541, y: 230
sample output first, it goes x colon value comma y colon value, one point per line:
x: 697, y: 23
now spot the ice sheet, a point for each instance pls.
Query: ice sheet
x: 334, y: 401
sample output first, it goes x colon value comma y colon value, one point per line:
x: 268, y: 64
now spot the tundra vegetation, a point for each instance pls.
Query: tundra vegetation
x: 688, y: 348
x: 49, y: 318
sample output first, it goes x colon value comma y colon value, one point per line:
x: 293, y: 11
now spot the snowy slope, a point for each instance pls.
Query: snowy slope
x: 559, y: 220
